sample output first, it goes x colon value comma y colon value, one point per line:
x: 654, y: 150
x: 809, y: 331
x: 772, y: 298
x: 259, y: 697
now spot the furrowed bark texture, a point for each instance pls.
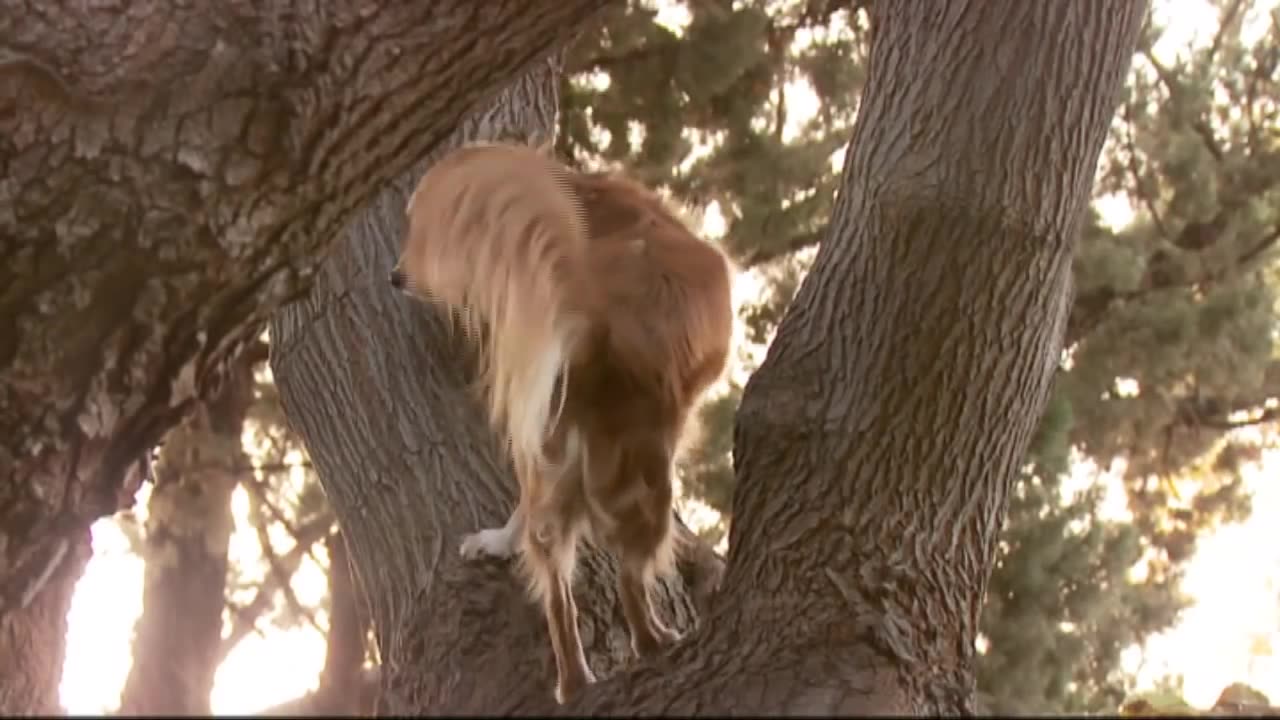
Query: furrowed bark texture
x: 876, y: 445
x: 371, y: 381
x: 35, y: 635
x: 178, y: 637
x: 172, y: 172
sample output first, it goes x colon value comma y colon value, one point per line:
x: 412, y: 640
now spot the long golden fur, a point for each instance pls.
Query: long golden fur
x: 605, y: 319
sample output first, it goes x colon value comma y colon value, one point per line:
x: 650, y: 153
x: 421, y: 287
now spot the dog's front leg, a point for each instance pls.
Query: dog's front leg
x: 498, y: 543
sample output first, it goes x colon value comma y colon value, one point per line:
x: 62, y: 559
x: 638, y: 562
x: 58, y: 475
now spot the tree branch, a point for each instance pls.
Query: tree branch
x: 1228, y: 21
x: 1175, y: 90
x: 795, y: 243
x: 188, y: 180
x: 262, y: 499
x: 271, y: 468
x: 283, y: 575
x: 850, y: 558
x: 1090, y: 309
x: 346, y: 688
x: 1213, y: 413
x: 1139, y: 184
x: 245, y: 619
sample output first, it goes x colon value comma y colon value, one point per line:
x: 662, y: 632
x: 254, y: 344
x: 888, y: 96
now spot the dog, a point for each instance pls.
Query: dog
x: 604, y: 321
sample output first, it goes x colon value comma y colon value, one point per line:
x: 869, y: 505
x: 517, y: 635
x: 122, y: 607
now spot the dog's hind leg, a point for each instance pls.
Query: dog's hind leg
x: 634, y: 492
x: 548, y: 546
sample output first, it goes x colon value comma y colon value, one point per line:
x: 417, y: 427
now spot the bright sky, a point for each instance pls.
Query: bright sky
x: 1234, y: 577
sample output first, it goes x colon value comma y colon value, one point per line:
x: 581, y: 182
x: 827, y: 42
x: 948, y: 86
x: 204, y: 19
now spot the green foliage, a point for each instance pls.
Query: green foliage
x: 1172, y: 337
x: 761, y: 314
x: 1051, y: 444
x: 643, y: 95
x: 1062, y: 607
x: 706, y: 470
x: 1181, y: 302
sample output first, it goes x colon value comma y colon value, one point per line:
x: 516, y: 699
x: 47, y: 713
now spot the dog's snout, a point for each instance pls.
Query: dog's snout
x: 397, y: 279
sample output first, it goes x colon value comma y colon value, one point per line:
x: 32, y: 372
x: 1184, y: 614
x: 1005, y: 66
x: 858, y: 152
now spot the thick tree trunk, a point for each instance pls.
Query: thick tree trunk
x: 171, y: 174
x: 875, y: 447
x: 35, y: 634
x: 178, y: 637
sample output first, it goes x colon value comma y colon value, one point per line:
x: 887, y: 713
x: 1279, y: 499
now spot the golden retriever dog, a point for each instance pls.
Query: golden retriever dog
x: 604, y: 320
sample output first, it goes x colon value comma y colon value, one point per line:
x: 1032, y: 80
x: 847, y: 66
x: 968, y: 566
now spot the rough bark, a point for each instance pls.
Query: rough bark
x: 171, y: 173
x: 900, y: 393
x: 34, y: 634
x: 178, y: 637
x: 875, y: 447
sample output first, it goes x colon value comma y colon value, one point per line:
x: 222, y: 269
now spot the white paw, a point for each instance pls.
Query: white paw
x: 489, y: 542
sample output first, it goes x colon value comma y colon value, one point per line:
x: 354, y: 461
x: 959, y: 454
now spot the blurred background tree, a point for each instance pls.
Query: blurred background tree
x: 740, y: 112
x: 203, y: 594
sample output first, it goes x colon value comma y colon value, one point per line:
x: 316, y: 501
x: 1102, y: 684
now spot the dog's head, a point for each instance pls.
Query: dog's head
x: 424, y: 222
x: 416, y: 248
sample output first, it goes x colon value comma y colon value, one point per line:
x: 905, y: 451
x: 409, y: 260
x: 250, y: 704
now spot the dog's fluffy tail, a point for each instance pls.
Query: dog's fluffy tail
x: 496, y: 231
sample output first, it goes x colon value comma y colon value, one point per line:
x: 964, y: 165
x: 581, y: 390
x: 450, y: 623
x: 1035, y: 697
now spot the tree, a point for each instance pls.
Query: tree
x: 345, y: 687
x: 897, y: 450
x: 191, y: 583
x: 722, y: 81
x: 171, y: 177
x: 177, y: 639
x: 1189, y: 152
x: 1062, y: 602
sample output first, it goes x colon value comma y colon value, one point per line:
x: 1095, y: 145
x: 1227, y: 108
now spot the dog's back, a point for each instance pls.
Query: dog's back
x: 496, y: 233
x: 659, y: 334
x: 663, y: 316
x: 660, y: 329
